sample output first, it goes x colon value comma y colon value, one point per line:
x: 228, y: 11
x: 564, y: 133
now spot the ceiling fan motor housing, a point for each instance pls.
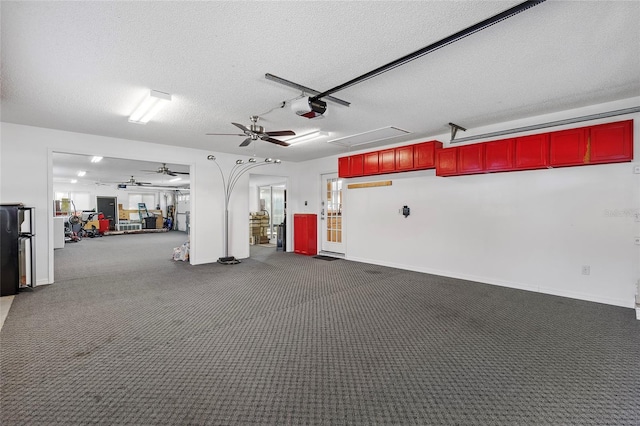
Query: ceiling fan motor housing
x: 308, y: 107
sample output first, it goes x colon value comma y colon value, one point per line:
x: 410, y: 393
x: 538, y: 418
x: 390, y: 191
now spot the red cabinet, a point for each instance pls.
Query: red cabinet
x: 371, y: 165
x: 471, y: 159
x: 404, y: 158
x: 356, y: 163
x: 343, y: 167
x: 569, y: 147
x: 447, y: 162
x: 387, y: 161
x: 532, y: 152
x: 350, y: 166
x: 612, y: 142
x: 499, y: 156
x: 424, y: 155
x: 305, y: 234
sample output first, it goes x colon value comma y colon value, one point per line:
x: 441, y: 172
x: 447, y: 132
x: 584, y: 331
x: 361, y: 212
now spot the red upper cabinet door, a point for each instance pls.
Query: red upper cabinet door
x: 356, y: 165
x: 471, y: 159
x: 612, y: 142
x: 532, y: 152
x: 387, y: 161
x: 499, y: 156
x: 404, y: 158
x: 371, y: 166
x: 447, y: 162
x: 343, y: 167
x: 424, y: 155
x: 569, y: 147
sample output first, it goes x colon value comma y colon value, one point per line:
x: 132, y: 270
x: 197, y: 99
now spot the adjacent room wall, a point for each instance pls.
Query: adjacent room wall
x: 26, y: 158
x: 532, y: 230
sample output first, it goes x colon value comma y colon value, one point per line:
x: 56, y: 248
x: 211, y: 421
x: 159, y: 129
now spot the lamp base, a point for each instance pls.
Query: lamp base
x: 229, y: 260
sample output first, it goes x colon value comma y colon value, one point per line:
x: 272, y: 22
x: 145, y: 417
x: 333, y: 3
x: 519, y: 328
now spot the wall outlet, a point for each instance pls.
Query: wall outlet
x: 586, y: 270
x: 637, y: 241
x: 636, y: 170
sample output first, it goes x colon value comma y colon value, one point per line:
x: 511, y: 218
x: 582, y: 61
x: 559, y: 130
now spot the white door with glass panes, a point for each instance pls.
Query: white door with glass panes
x: 331, y: 214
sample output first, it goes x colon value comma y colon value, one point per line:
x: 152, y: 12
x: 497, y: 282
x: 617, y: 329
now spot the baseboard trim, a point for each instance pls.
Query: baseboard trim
x: 492, y: 281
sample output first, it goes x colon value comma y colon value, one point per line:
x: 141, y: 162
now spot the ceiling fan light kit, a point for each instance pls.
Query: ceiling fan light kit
x: 255, y: 132
x: 149, y: 107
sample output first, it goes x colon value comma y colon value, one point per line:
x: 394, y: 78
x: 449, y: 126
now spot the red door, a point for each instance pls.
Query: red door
x: 371, y: 166
x: 356, y: 165
x: 612, y: 142
x: 305, y: 234
x: 532, y: 152
x: 569, y: 147
x: 424, y: 155
x: 499, y: 155
x: 343, y: 167
x: 471, y: 159
x: 404, y: 158
x: 447, y: 162
x: 387, y: 160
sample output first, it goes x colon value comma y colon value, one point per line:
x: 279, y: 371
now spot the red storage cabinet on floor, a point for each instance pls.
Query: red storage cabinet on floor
x: 471, y: 159
x: 424, y: 155
x: 371, y: 165
x: 447, y: 162
x: 612, y: 142
x: 499, y: 156
x: 532, y: 152
x: 305, y: 234
x: 404, y: 158
x: 569, y: 147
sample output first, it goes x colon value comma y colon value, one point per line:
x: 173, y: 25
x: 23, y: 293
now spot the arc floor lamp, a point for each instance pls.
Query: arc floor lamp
x: 228, y: 184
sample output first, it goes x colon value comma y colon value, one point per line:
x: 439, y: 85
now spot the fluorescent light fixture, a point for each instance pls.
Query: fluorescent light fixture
x: 149, y: 107
x: 96, y: 159
x: 74, y: 180
x: 81, y: 173
x: 307, y: 137
x: 175, y: 179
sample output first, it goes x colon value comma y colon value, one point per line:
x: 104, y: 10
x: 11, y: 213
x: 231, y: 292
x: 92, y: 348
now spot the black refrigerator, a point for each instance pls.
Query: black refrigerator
x: 17, y: 248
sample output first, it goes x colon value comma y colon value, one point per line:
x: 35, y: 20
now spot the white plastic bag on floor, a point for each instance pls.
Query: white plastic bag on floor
x: 182, y: 252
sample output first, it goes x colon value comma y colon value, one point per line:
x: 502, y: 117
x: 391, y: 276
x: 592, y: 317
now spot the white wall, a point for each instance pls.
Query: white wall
x: 26, y: 158
x: 532, y: 230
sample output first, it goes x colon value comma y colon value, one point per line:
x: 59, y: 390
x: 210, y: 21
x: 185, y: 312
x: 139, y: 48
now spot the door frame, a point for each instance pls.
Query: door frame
x: 325, y: 245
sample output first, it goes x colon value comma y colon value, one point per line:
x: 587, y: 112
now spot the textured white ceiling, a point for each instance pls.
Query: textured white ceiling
x: 84, y: 66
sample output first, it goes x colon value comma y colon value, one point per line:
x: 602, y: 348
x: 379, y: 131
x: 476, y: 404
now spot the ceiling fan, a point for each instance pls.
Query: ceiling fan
x: 255, y: 132
x: 132, y: 181
x: 166, y: 171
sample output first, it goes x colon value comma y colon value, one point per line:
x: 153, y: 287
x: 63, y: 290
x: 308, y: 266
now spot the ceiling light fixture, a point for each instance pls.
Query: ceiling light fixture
x: 74, y: 180
x: 307, y: 137
x: 96, y: 159
x: 149, y: 107
x: 81, y: 173
x: 175, y: 179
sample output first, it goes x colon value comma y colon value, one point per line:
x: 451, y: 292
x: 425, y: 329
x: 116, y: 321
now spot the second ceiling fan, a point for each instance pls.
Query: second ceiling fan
x: 255, y: 132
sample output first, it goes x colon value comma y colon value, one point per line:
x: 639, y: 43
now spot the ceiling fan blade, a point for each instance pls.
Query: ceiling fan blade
x: 224, y: 134
x: 170, y: 173
x: 281, y: 133
x: 246, y: 142
x: 179, y: 173
x: 150, y: 171
x: 276, y: 141
x: 241, y: 127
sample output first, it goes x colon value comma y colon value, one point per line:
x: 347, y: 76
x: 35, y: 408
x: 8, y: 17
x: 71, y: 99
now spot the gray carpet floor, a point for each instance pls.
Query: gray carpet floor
x: 129, y: 336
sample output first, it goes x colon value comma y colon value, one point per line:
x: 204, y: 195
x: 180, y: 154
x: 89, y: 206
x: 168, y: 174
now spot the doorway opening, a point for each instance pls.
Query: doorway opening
x: 267, y: 205
x: 112, y: 197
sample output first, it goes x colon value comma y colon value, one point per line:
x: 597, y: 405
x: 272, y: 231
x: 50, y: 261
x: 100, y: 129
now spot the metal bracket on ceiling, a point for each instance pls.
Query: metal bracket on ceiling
x: 304, y: 89
x: 454, y: 130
